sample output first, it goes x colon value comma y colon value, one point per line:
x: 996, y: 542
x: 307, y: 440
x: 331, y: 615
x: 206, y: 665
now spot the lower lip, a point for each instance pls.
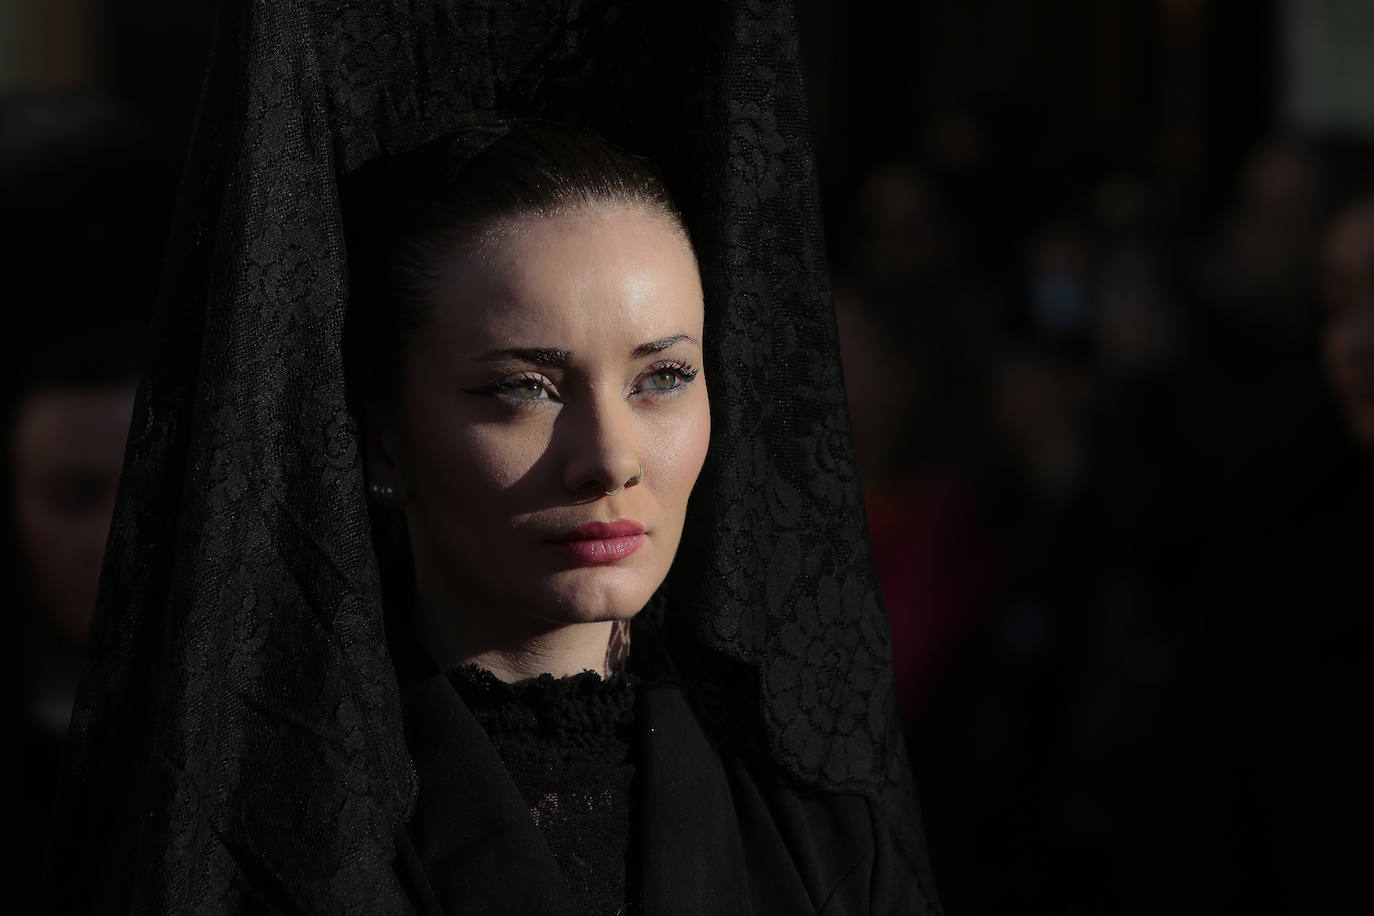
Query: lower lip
x: 602, y: 550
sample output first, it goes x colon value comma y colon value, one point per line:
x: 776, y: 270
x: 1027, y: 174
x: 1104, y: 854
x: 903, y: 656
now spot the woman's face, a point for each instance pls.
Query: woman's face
x: 67, y: 449
x: 1348, y: 328
x: 552, y: 421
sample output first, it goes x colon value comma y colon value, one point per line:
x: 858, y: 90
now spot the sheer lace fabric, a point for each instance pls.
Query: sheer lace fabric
x: 237, y: 741
x: 569, y: 747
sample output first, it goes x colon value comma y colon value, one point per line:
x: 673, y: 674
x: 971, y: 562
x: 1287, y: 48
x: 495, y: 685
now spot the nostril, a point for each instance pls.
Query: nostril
x: 600, y: 446
x: 631, y: 481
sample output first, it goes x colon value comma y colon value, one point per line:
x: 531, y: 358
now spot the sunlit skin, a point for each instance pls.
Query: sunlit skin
x: 558, y: 382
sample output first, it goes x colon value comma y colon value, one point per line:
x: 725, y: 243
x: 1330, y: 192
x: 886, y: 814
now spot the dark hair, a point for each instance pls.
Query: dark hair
x: 399, y: 234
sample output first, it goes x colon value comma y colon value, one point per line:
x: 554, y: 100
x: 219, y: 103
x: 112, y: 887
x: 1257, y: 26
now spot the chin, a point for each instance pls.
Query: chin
x: 597, y: 596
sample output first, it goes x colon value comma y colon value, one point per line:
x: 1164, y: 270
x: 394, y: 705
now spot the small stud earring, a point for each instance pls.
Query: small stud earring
x: 384, y: 494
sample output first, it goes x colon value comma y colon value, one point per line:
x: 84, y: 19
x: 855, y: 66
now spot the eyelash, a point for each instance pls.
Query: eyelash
x: 686, y: 375
x: 503, y: 388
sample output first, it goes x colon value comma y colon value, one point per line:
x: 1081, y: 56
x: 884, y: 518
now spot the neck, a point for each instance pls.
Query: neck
x: 562, y: 652
x: 516, y: 648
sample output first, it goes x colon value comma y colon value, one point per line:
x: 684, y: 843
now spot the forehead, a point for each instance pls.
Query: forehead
x: 599, y: 275
x: 75, y: 425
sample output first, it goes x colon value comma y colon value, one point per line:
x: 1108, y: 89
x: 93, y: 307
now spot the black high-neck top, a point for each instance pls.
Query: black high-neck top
x: 568, y: 746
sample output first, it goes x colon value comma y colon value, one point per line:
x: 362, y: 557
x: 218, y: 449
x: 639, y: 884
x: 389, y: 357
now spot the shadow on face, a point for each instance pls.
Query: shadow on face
x: 552, y: 420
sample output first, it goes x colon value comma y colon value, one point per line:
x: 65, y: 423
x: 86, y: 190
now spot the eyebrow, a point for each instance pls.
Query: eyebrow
x: 558, y: 357
x: 539, y: 356
x: 658, y: 346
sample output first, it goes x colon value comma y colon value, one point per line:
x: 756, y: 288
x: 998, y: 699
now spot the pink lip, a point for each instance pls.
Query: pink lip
x: 603, y: 542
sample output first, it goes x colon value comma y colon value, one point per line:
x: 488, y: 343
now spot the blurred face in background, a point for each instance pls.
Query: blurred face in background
x: 67, y: 451
x: 1347, y: 292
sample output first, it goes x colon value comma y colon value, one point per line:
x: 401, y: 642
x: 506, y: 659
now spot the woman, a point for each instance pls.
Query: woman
x: 282, y: 713
x: 537, y: 415
x: 533, y: 400
x: 535, y: 419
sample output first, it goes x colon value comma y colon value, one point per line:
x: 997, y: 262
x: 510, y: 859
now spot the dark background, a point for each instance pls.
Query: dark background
x: 1123, y: 534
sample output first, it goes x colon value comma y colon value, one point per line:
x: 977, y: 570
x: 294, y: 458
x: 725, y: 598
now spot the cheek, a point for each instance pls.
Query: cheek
x: 490, y: 458
x: 460, y: 463
x: 48, y: 539
x: 68, y: 540
x: 678, y: 452
x: 63, y: 551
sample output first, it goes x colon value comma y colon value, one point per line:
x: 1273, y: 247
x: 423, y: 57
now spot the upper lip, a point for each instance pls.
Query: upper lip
x: 597, y: 531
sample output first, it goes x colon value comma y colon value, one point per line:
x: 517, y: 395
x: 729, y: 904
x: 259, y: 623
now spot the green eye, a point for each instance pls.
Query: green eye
x: 526, y: 390
x: 663, y: 378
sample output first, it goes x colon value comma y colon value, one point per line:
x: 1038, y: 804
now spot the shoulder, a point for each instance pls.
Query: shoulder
x: 850, y: 853
x: 790, y: 849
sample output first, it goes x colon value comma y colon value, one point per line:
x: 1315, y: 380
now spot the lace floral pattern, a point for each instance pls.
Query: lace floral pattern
x: 568, y: 744
x: 240, y: 645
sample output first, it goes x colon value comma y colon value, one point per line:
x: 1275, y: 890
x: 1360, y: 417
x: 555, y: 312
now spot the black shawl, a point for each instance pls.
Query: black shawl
x: 239, y: 727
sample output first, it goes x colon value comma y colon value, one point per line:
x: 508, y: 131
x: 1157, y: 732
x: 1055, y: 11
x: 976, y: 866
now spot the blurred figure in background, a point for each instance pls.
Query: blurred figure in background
x: 999, y: 770
x: 1273, y: 761
x: 66, y: 424
x: 1347, y: 298
x: 911, y: 321
x: 936, y: 566
x: 1158, y: 709
x: 85, y: 199
x: 1256, y: 270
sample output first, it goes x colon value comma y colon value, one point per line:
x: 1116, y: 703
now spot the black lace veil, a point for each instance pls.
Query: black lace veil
x: 238, y: 724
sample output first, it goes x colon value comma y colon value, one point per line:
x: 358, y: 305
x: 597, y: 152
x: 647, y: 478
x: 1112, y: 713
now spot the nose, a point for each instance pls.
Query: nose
x: 603, y: 450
